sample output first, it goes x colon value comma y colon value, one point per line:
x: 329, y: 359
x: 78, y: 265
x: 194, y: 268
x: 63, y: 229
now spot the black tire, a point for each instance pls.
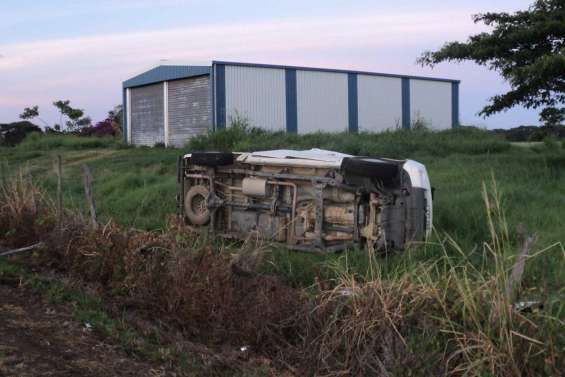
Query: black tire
x: 212, y: 158
x: 371, y: 168
x: 195, y: 205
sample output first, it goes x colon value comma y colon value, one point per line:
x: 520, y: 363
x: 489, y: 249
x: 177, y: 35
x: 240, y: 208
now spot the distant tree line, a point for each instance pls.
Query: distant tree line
x: 531, y: 133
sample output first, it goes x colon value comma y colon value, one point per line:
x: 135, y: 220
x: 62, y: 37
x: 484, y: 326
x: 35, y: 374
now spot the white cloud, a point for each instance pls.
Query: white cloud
x: 89, y: 70
x: 269, y: 36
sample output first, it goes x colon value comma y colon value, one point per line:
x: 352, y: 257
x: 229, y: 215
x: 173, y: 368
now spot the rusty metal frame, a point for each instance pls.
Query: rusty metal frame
x: 316, y: 244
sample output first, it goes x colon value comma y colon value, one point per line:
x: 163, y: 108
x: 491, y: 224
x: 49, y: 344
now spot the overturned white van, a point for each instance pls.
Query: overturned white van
x: 312, y: 200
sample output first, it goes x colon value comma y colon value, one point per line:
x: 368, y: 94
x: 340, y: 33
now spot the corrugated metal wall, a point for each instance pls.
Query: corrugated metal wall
x: 295, y: 99
x: 430, y: 101
x: 379, y: 102
x: 322, y: 101
x: 189, y: 109
x: 308, y: 100
x: 147, y: 123
x: 257, y: 94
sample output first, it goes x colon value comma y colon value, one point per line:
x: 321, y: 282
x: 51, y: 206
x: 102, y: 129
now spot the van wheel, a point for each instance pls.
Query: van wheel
x: 196, y: 206
x: 212, y: 158
x: 371, y: 168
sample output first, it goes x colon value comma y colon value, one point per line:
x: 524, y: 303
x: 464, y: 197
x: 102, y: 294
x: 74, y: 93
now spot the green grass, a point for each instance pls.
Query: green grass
x: 137, y: 186
x: 134, y: 186
x: 394, y: 144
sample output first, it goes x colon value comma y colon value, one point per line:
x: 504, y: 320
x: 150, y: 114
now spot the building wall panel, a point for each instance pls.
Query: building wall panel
x: 189, y: 109
x: 322, y: 101
x: 379, y: 103
x: 257, y: 94
x: 147, y: 125
x: 430, y: 101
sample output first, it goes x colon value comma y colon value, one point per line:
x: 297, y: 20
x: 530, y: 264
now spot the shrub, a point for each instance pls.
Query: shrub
x: 396, y: 144
x: 12, y: 134
x: 444, y: 316
x: 66, y: 141
x: 104, y: 128
x: 531, y: 133
x: 551, y: 142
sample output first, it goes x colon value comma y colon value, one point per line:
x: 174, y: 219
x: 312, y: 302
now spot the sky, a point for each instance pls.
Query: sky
x: 83, y: 50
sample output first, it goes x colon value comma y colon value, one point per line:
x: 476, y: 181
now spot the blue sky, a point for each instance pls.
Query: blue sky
x: 83, y: 50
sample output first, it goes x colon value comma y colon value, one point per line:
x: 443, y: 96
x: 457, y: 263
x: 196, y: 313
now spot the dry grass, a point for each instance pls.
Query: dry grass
x: 25, y: 212
x: 447, y: 316
x: 359, y: 329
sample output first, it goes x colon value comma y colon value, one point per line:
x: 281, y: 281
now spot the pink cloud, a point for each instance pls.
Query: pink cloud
x: 89, y: 70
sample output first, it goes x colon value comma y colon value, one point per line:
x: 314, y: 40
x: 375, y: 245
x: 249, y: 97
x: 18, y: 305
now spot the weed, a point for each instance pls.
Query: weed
x: 36, y: 141
x: 394, y: 144
x: 440, y: 311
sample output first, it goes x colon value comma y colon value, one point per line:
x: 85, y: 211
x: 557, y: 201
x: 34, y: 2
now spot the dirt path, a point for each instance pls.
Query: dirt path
x: 40, y: 339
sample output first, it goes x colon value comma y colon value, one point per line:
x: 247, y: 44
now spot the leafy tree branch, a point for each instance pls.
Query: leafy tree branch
x: 527, y: 48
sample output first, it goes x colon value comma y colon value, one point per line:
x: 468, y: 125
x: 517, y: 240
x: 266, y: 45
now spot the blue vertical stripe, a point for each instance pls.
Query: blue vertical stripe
x: 352, y: 102
x: 454, y: 104
x: 405, y: 102
x: 291, y: 101
x: 212, y: 90
x: 125, y: 116
x: 220, y: 81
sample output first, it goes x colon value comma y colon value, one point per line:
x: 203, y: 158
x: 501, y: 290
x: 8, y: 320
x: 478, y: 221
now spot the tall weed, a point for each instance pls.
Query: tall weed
x: 446, y: 315
x: 39, y: 142
x: 399, y: 143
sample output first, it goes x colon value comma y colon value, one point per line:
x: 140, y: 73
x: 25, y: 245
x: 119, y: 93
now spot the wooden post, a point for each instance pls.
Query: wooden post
x: 3, y: 174
x: 59, y: 172
x: 22, y: 249
x: 513, y: 283
x: 89, y: 196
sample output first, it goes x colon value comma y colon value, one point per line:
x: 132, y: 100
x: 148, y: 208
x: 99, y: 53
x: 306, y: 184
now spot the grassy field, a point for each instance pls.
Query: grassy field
x: 136, y: 187
x: 467, y: 259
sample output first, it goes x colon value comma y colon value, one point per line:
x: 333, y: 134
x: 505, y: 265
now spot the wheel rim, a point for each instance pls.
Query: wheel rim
x: 198, y: 205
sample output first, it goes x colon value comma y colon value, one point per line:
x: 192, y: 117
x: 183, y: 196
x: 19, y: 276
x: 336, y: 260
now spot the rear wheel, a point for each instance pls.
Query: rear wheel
x: 371, y: 168
x: 212, y: 158
x: 196, y: 206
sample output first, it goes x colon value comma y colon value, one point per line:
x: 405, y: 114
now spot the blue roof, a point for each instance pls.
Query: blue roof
x: 331, y: 70
x: 166, y: 73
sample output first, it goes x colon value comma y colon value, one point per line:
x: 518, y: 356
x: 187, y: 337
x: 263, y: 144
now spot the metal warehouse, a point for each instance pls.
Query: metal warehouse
x: 170, y: 104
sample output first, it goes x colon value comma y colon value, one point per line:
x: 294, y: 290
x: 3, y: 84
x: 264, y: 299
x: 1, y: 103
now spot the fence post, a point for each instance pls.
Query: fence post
x: 89, y: 196
x: 2, y: 174
x: 59, y: 172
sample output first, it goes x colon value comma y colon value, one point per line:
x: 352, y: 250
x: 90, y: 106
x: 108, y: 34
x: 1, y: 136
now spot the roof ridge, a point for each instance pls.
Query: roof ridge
x: 165, y: 72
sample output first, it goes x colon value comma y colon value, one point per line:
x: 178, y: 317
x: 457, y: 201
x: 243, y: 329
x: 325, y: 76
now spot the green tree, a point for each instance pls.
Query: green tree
x: 75, y: 117
x: 32, y: 112
x: 527, y: 48
x: 552, y: 115
x: 115, y: 115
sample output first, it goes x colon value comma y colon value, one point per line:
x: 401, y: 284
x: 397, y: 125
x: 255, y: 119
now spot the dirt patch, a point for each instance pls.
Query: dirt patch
x: 41, y: 339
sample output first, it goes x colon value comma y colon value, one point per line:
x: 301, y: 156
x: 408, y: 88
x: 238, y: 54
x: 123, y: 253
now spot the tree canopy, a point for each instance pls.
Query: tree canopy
x: 527, y: 48
x: 75, y: 117
x: 30, y: 112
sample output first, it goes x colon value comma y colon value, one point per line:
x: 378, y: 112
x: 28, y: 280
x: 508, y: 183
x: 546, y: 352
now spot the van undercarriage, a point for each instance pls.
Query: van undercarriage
x: 307, y: 200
